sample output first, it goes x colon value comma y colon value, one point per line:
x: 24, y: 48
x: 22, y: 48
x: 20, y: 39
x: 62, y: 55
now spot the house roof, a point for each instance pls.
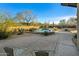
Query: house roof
x: 69, y: 4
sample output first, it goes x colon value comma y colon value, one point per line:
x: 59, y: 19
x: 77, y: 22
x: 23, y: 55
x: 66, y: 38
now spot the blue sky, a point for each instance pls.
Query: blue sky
x: 45, y: 12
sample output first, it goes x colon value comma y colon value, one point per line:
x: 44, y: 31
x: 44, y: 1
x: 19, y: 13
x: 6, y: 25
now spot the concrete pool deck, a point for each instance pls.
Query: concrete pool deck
x: 59, y: 44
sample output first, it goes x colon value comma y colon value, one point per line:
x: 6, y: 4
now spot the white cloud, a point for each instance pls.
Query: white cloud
x: 65, y: 17
x: 57, y: 19
x: 54, y: 19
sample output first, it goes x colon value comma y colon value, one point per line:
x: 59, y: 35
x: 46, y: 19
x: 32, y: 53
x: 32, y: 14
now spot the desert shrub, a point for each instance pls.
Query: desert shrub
x: 75, y: 36
x: 74, y: 39
x: 66, y: 29
x: 41, y: 26
x: 56, y: 29
x: 32, y: 29
x: 4, y: 34
x: 14, y: 31
x: 27, y: 30
x: 20, y: 31
x: 45, y: 33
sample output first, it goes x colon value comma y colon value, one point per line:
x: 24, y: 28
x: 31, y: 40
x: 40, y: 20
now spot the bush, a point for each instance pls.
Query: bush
x: 74, y: 39
x: 56, y: 29
x: 66, y: 30
x: 20, y: 31
x: 4, y: 35
x: 45, y: 33
x: 75, y: 36
x: 32, y: 29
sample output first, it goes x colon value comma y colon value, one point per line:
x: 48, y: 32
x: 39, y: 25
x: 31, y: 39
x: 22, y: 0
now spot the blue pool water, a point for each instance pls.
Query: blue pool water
x: 43, y: 30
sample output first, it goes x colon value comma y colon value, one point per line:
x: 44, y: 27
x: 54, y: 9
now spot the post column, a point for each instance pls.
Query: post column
x: 78, y: 25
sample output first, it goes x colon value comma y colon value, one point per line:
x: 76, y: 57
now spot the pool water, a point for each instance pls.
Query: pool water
x: 43, y: 30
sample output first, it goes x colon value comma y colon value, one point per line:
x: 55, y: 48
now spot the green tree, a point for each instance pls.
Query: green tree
x: 72, y: 21
x: 62, y: 23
